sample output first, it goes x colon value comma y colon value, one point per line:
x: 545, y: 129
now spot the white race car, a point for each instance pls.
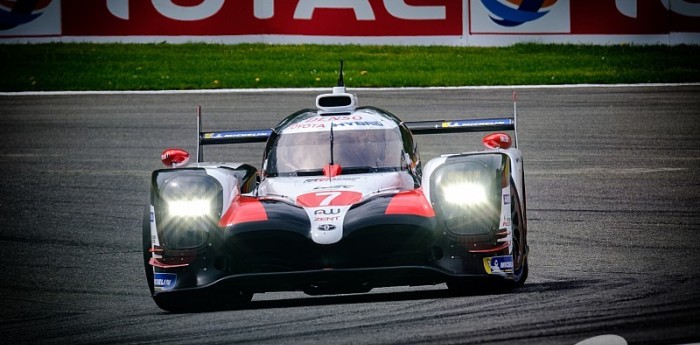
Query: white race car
x: 342, y: 204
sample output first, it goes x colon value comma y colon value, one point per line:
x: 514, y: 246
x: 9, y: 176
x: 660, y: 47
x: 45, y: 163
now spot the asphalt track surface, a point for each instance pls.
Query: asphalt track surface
x: 613, y: 198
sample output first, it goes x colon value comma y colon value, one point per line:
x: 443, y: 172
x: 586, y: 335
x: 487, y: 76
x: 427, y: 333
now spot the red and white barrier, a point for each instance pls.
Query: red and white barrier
x: 420, y: 22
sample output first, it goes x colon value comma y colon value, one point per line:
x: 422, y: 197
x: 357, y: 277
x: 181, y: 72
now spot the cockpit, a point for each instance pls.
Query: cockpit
x: 356, y: 150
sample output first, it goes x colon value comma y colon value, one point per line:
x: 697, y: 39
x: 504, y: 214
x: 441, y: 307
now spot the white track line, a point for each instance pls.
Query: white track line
x: 220, y: 91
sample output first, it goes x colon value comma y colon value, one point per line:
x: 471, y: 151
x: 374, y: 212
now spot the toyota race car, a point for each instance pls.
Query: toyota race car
x: 341, y: 204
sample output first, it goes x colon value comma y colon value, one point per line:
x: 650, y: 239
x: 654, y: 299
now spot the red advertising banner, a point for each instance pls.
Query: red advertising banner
x: 452, y: 22
x: 262, y: 17
x: 584, y: 17
x: 635, y: 17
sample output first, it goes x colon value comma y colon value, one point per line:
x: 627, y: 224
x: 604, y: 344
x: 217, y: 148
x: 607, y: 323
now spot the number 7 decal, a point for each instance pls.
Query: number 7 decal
x: 330, y: 196
x: 321, y: 199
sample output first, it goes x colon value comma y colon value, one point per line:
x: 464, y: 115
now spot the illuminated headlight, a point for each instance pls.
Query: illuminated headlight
x: 465, y: 193
x: 190, y: 208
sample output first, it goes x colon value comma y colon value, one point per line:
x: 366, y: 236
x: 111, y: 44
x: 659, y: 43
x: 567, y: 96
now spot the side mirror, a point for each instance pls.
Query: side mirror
x: 173, y: 158
x: 497, y: 141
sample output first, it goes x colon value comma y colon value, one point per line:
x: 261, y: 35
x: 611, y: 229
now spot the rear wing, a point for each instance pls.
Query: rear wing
x: 461, y: 126
x: 416, y: 127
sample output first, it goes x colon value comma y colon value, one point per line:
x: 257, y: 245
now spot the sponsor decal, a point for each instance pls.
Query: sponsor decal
x: 334, y: 187
x: 154, y: 229
x: 164, y: 281
x: 521, y: 16
x: 505, y: 222
x: 327, y: 118
x: 326, y: 223
x: 264, y: 17
x: 359, y: 123
x: 516, y: 12
x: 326, y: 179
x: 476, y: 123
x: 326, y: 227
x: 321, y: 199
x: 506, y: 199
x: 298, y: 126
x: 327, y: 211
x: 20, y: 12
x: 338, y: 126
x: 27, y: 18
x: 238, y: 134
x: 499, y: 264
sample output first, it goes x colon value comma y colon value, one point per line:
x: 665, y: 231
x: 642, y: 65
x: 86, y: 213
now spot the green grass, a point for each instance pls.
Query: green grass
x: 79, y: 66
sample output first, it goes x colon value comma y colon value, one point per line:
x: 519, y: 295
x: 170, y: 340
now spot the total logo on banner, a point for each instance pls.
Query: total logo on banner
x: 520, y: 16
x: 30, y: 17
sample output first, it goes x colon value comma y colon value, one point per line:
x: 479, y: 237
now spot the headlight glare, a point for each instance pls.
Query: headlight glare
x: 189, y: 208
x: 465, y: 193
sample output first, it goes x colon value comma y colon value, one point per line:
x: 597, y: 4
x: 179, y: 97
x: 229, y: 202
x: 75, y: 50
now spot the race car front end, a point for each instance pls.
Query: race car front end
x: 459, y: 228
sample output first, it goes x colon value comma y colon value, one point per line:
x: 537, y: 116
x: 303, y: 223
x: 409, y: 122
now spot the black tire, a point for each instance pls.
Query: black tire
x: 519, y: 241
x: 146, y: 244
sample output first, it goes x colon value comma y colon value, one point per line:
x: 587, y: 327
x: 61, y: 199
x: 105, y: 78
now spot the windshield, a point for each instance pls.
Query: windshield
x: 356, y: 151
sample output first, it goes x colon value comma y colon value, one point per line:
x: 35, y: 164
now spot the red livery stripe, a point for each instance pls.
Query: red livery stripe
x: 410, y: 203
x: 243, y: 210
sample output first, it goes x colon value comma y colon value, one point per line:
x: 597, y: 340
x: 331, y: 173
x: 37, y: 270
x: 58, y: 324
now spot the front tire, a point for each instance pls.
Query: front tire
x: 519, y: 222
x: 146, y: 245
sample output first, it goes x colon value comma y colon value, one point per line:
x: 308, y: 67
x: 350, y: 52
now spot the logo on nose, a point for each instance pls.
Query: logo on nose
x: 326, y: 227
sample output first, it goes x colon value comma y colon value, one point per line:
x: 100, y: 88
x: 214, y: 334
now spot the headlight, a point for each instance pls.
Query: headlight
x: 465, y: 193
x: 192, y: 208
x: 188, y: 207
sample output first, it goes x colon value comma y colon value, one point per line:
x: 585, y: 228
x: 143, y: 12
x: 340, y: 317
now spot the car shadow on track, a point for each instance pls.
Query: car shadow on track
x: 391, y: 296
